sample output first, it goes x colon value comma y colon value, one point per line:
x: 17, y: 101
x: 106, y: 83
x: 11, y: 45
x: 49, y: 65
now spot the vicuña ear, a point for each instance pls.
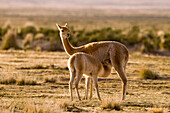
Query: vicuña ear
x: 66, y: 25
x: 59, y: 27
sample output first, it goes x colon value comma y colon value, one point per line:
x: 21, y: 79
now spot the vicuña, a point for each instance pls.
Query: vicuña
x: 119, y: 54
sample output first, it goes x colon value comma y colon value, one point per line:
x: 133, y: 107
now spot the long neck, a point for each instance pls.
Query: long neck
x: 68, y: 47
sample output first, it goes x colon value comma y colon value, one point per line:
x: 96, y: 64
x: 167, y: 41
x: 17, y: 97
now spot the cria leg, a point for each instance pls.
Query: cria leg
x: 87, y: 87
x: 91, y: 87
x: 79, y: 76
x: 96, y: 86
x: 72, y: 77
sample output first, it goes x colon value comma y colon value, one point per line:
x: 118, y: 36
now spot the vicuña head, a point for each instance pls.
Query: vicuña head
x: 64, y: 31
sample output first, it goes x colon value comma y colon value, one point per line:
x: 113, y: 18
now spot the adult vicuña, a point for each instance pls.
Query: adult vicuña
x: 83, y: 64
x: 119, y: 54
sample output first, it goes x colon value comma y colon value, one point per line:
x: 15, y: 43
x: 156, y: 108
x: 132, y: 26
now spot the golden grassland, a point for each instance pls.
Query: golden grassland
x: 52, y: 95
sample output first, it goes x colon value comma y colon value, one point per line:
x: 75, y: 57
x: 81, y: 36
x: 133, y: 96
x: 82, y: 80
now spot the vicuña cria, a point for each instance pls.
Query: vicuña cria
x: 83, y: 64
x: 118, y: 53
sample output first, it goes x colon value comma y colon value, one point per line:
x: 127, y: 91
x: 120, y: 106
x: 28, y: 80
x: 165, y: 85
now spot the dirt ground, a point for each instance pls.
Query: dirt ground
x: 50, y: 93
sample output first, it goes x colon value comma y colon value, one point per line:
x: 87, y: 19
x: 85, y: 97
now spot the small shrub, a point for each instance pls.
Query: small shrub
x: 7, y: 25
x: 132, y: 35
x: 39, y: 67
x: 147, y: 46
x: 10, y: 41
x: 21, y: 82
x: 39, y: 36
x: 110, y: 106
x: 28, y: 28
x: 148, y: 74
x: 29, y: 82
x: 35, y: 67
x: 166, y: 43
x: 64, y: 105
x: 11, y: 80
x: 27, y: 42
x: 52, y: 80
x: 8, y: 81
x: 38, y: 48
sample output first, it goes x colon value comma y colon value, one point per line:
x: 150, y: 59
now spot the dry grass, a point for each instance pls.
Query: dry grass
x: 28, y: 82
x: 50, y: 80
x: 110, y: 105
x: 148, y: 74
x: 54, y: 97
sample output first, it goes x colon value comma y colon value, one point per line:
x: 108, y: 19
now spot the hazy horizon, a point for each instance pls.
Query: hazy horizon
x: 97, y: 4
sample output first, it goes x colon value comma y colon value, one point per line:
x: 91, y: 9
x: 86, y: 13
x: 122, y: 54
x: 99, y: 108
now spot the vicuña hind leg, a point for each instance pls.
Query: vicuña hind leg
x: 124, y: 80
x: 117, y: 62
x: 78, y: 78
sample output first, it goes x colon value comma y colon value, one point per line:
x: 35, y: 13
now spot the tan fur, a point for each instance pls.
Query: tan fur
x: 118, y: 53
x: 82, y: 63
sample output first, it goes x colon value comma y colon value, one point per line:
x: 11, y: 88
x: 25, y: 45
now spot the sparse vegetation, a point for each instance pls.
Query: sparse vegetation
x: 148, y: 74
x: 146, y: 41
x: 110, y: 105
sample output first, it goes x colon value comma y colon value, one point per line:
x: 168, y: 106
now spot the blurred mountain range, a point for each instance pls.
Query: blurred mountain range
x: 115, y: 4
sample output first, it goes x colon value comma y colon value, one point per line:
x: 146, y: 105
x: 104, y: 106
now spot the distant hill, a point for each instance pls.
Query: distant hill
x: 118, y: 4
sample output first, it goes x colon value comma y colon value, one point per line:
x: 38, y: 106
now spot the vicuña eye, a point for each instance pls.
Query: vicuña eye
x: 62, y: 30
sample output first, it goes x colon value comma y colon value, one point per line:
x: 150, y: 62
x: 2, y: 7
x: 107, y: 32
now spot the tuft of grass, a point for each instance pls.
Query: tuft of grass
x: 148, y: 74
x: 50, y: 80
x: 64, y: 105
x: 7, y: 25
x: 35, y: 67
x: 10, y: 41
x: 110, y: 106
x: 157, y: 110
x: 24, y: 82
x: 8, y: 81
x: 21, y: 82
x: 28, y: 40
x: 39, y: 67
